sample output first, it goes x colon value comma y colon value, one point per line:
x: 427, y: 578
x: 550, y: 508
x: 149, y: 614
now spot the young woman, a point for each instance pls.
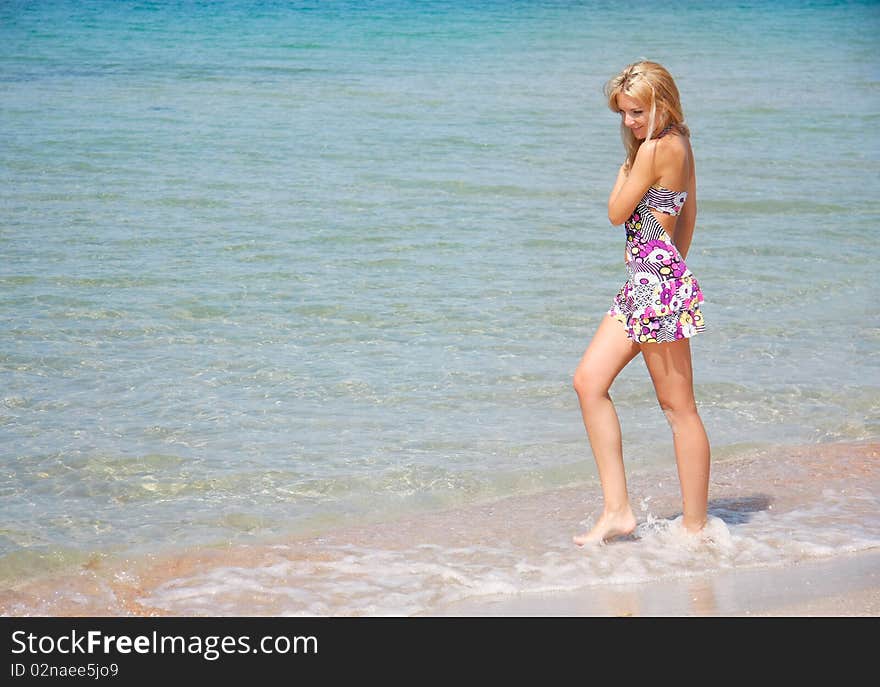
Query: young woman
x: 658, y: 308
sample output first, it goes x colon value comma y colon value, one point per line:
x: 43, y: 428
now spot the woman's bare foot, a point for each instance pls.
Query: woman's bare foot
x: 610, y: 525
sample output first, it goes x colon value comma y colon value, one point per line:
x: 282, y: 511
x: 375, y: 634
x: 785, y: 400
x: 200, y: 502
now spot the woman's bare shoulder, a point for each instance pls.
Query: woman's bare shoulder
x: 674, y: 146
x: 673, y: 160
x: 669, y: 147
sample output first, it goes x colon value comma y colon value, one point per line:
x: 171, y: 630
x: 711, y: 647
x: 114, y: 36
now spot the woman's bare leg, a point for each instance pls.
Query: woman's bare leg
x: 608, y: 353
x: 672, y: 374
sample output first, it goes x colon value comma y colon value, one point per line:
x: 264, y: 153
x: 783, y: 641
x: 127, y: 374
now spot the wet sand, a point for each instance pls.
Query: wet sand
x: 839, y: 586
x: 805, y: 543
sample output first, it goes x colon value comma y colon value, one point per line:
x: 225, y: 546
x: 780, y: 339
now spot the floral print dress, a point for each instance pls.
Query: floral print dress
x: 660, y: 300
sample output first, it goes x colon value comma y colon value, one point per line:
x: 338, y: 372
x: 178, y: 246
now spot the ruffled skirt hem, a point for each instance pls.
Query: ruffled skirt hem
x: 657, y: 311
x: 663, y: 329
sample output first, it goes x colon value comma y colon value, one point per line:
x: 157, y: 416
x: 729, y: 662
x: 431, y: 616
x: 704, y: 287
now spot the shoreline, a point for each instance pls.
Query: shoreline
x: 794, y: 532
x: 842, y: 585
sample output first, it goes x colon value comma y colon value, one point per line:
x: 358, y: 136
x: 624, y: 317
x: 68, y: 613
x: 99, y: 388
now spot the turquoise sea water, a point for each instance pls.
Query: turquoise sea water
x: 270, y: 268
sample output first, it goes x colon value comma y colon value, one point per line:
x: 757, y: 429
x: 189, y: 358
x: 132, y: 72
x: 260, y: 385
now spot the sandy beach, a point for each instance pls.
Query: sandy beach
x: 845, y: 584
x: 790, y: 534
x: 839, y: 586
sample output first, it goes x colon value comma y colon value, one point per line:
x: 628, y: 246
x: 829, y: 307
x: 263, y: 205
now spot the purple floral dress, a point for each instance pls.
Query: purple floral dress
x: 660, y: 301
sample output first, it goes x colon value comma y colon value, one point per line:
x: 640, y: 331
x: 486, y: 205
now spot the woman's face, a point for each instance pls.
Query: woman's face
x: 634, y: 115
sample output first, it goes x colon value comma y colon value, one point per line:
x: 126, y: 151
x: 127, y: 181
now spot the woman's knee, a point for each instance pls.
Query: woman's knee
x: 586, y: 385
x: 679, y: 412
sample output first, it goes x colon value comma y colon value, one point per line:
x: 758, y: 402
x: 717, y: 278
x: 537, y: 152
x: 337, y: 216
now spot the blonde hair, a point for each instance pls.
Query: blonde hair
x: 649, y: 83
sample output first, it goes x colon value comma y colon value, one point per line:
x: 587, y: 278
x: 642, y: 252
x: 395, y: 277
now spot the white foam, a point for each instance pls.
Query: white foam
x: 361, y: 581
x: 358, y: 580
x: 522, y: 545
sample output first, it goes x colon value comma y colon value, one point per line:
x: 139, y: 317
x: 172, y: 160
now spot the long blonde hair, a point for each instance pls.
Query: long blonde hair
x: 649, y: 83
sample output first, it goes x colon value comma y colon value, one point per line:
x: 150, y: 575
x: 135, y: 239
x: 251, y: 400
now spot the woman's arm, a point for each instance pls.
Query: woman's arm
x: 630, y: 188
x: 621, y: 178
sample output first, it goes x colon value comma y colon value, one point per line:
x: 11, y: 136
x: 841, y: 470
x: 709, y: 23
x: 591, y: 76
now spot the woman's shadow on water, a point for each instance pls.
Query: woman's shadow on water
x: 739, y: 509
